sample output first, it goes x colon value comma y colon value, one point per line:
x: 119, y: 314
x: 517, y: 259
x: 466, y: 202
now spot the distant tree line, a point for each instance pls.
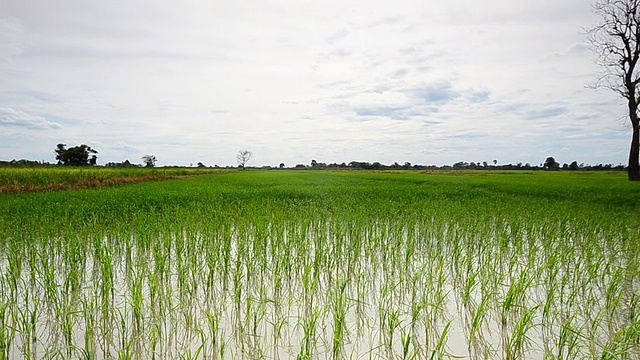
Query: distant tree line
x: 363, y: 165
x: 24, y: 163
x: 124, y: 164
x: 84, y: 155
x: 549, y: 164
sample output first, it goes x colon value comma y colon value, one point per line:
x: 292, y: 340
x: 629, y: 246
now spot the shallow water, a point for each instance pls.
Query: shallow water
x: 321, y: 292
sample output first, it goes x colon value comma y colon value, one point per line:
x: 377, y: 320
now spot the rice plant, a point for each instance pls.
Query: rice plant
x: 307, y: 265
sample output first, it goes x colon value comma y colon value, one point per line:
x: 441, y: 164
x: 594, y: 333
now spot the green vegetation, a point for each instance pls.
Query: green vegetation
x: 321, y: 264
x: 76, y: 155
x: 18, y: 179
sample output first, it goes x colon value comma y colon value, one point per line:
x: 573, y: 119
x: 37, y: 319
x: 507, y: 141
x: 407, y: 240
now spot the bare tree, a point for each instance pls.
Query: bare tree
x: 617, y: 43
x: 243, y: 157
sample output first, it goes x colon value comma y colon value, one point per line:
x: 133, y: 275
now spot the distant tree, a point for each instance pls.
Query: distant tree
x: 201, y: 165
x: 126, y: 163
x: 243, y: 157
x: 314, y: 163
x: 362, y: 165
x: 495, y: 162
x: 76, y: 156
x: 149, y: 160
x: 281, y: 166
x: 573, y: 165
x: 551, y: 164
x: 460, y: 165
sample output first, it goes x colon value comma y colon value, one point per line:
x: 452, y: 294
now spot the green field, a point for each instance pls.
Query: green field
x: 19, y: 179
x: 321, y: 264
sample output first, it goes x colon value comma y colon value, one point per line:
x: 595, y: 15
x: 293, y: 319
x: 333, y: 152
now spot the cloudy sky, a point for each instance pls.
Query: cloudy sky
x: 429, y: 81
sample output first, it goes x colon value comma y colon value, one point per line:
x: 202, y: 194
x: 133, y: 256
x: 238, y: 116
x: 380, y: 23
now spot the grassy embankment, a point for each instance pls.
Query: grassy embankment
x: 325, y: 264
x: 18, y: 179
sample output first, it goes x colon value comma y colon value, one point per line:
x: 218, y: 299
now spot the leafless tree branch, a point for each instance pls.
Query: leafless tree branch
x: 617, y: 44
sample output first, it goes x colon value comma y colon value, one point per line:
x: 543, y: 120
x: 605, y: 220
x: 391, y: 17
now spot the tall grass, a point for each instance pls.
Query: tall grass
x: 61, y: 177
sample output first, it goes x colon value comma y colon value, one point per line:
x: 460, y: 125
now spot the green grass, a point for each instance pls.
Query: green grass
x: 307, y: 264
x: 63, y: 177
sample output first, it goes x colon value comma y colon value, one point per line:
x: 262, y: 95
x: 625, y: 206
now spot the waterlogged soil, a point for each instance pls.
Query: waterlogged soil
x: 174, y: 299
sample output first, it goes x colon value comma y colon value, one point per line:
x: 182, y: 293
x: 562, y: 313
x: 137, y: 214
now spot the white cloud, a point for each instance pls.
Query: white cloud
x: 11, y: 38
x: 425, y: 82
x: 17, y: 118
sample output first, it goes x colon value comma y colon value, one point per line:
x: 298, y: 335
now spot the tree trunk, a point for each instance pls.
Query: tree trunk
x: 633, y: 169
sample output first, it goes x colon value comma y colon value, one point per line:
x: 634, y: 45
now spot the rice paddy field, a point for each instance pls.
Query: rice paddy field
x: 325, y: 265
x: 19, y: 179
